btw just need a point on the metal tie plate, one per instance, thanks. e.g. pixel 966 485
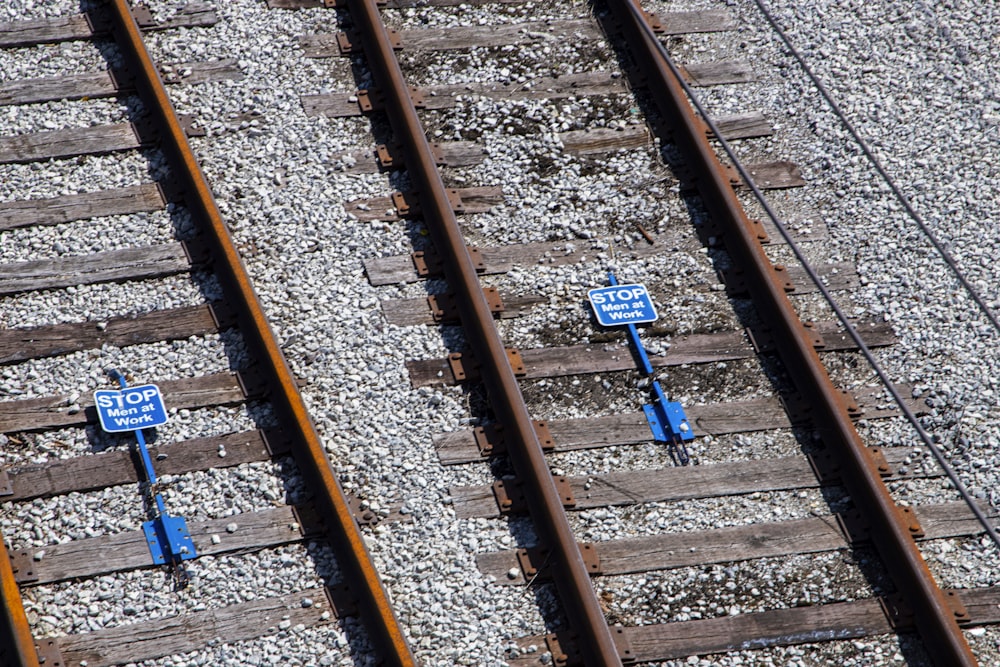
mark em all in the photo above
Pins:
pixel 48 652
pixel 428 263
pixel 490 440
pixel 534 561
pixel 444 308
pixel 24 567
pixel 465 368
pixel 510 497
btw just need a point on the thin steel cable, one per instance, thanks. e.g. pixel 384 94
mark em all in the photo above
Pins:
pixel 863 145
pixel 841 315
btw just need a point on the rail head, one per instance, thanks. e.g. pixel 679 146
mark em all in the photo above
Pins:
pixel 18 648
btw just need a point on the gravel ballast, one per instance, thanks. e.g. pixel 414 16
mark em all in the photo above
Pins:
pixel 917 83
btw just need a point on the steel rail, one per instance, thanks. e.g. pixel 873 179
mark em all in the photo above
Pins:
pixel 386 635
pixel 18 648
pixel 579 600
pixel 933 616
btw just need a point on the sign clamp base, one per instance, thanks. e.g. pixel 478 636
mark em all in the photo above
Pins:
pixel 169 539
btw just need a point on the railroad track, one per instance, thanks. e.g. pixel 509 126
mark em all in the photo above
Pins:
pixel 650 561
pixel 556 553
pixel 260 382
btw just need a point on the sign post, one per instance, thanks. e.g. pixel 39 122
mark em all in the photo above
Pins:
pixel 628 305
pixel 133 409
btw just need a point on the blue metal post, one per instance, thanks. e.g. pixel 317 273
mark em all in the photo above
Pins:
pixel 167 536
pixel 666 419
pixel 633 335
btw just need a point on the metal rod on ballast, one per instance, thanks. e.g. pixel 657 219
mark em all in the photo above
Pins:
pixel 633 334
pixel 147 462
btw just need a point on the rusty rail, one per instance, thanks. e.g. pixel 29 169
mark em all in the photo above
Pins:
pixel 892 532
pixel 569 569
pixel 17 646
pixel 387 637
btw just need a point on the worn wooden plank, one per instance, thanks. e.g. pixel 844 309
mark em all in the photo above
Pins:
pixel 630 429
pixel 684 23
pixel 445 96
pixel 486 36
pixel 780 627
pixel 399 269
pixel 584 359
pixel 409 312
pixel 739 543
pixel 474 200
pixel 599 140
pixel 834 276
pixel 513 34
pixel 101 267
pixel 776 175
pixel 983 604
pixel 39 31
pixel 696 548
pixel 116 467
pixel 37 342
pixel 96 85
pixel 78 26
pixel 777 627
pixel 33 414
pixel 342 105
pixel 717 73
pixel 416 311
pixel 69 142
pixel 694 349
pixel 744 125
pixel 452 153
pixel 678 483
pixel 67 208
pixel 193 630
pixel 94 556
pixel 192 15
pixel 743 632
pixel 223 69
pixel 72 87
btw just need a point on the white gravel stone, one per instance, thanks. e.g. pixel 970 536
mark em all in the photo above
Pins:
pixel 918 83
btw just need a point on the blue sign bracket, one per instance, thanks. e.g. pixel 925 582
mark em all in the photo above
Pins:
pixel 666 419
pixel 669 424
pixel 167 536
